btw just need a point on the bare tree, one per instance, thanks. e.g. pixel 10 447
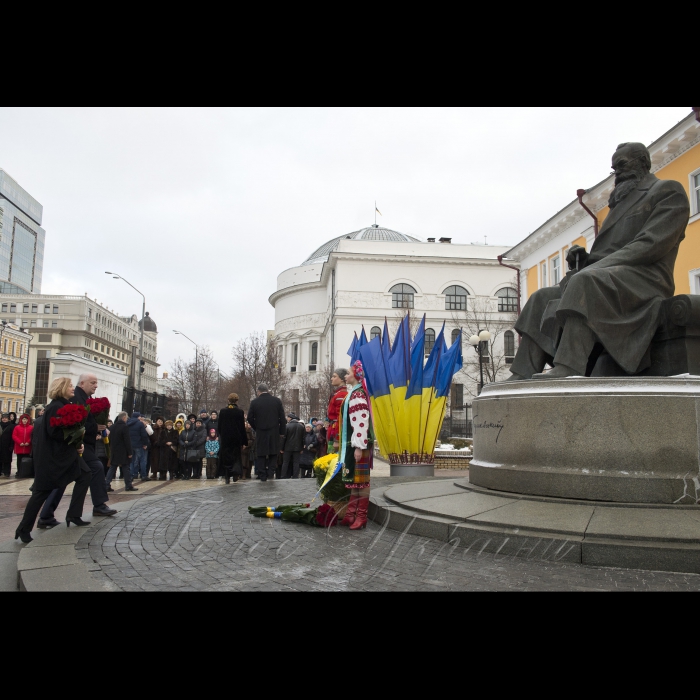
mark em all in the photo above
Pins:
pixel 196 384
pixel 482 314
pixel 255 362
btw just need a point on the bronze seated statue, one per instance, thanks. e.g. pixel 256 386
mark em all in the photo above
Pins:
pixel 614 313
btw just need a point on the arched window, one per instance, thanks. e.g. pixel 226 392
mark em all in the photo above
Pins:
pixel 314 353
pixel 455 334
pixel 509 345
pixel 456 298
pixel 429 340
pixel 375 332
pixel 507 299
pixel 402 296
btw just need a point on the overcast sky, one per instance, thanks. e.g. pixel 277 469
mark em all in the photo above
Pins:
pixel 201 209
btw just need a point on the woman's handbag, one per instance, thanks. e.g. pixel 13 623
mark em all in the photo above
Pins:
pixel 192 456
pixel 26 468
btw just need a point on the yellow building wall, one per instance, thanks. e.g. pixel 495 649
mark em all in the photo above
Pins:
pixel 532 280
pixel 689 252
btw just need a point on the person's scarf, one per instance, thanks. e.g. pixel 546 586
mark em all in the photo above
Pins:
pixel 341 423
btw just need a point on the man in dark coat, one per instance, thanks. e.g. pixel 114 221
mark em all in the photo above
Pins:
pixel 121 451
pixel 6 444
pixel 139 445
pixel 614 293
pixel 56 464
pixel 87 386
pixel 232 438
pixel 266 417
pixel 295 433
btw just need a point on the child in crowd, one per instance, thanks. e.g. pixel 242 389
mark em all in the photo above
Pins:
pixel 211 448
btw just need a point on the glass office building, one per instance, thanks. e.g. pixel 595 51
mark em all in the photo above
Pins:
pixel 21 239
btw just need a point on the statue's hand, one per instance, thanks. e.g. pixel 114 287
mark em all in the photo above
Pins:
pixel 575 251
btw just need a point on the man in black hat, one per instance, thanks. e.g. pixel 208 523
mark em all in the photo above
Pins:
pixel 293 447
pixel 266 417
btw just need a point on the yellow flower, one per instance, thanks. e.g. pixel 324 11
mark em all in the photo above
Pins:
pixel 323 463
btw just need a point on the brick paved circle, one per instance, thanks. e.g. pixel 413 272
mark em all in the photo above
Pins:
pixel 206 541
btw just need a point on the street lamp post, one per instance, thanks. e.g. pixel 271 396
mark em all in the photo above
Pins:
pixel 196 363
pixel 479 342
pixel 143 316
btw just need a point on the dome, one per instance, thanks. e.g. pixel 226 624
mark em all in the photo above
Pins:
pixel 149 324
pixel 371 233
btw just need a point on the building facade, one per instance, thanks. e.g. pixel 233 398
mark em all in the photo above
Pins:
pixel 82 327
pixel 21 239
pixel 362 278
pixel 14 350
pixel 674 156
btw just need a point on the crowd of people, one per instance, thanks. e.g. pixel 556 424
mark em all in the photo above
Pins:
pixel 221 445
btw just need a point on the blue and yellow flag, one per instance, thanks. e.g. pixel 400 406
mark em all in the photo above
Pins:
pixel 430 375
pixel 352 350
pixel 414 393
pixel 380 395
pixel 398 369
pixel 449 363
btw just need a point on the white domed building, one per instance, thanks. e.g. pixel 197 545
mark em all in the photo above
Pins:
pixel 363 277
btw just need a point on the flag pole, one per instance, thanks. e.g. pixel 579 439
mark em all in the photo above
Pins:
pixel 432 392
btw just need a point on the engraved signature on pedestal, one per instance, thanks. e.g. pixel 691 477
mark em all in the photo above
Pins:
pixel 490 425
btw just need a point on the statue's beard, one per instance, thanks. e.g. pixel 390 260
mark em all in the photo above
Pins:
pixel 624 184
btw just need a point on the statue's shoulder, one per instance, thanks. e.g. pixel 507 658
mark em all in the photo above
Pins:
pixel 666 186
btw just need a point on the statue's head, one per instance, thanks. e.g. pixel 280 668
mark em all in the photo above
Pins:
pixel 631 162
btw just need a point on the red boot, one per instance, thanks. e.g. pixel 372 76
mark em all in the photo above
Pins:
pixel 349 518
pixel 361 513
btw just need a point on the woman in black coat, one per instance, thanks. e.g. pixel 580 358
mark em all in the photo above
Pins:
pixel 232 437
pixel 187 442
pixel 169 439
pixel 56 464
pixel 308 453
pixel 200 433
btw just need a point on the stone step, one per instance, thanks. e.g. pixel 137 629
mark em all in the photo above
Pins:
pixel 658 537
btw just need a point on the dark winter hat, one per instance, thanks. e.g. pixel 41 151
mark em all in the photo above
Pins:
pixel 202 410
pixel 191 417
pixel 136 414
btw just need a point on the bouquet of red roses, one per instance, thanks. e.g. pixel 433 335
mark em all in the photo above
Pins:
pixel 71 418
pixel 100 409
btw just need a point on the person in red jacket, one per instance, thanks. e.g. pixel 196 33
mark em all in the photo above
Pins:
pixel 22 437
pixel 341 391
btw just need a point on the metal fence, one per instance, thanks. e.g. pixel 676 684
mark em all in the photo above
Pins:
pixel 456 427
pixel 145 403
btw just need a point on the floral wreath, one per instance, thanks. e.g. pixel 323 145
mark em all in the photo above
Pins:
pixel 358 370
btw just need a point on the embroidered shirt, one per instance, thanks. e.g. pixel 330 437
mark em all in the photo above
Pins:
pixel 358 414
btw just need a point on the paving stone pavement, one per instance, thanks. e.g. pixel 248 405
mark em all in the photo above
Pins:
pixel 207 541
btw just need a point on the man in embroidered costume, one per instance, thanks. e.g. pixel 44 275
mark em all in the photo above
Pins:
pixel 341 391
pixel 356 447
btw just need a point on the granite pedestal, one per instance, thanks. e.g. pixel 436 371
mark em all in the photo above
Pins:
pixel 616 439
